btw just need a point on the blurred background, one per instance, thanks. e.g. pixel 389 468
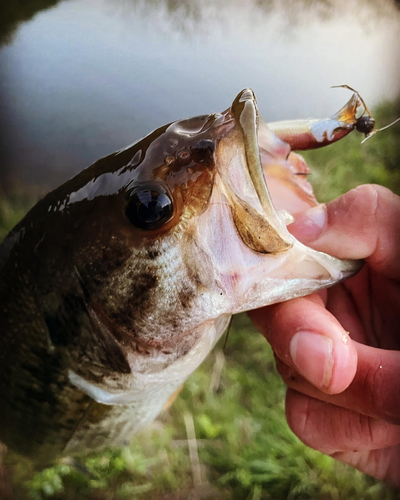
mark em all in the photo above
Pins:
pixel 83 78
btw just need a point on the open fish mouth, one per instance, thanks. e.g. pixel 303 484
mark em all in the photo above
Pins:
pixel 258 179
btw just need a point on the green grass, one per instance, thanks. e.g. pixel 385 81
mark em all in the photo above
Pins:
pixel 236 400
pixel 246 450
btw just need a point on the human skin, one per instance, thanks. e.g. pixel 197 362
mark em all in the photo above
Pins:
pixel 339 350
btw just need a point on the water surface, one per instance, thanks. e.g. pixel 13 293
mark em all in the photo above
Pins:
pixel 86 77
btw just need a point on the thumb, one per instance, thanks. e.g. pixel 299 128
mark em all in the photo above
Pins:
pixel 362 224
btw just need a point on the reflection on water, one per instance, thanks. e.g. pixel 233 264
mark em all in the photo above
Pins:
pixel 90 76
pixel 14 12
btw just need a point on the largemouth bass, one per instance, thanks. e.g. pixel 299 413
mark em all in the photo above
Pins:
pixel 117 284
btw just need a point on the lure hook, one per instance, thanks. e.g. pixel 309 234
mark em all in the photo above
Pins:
pixel 365 123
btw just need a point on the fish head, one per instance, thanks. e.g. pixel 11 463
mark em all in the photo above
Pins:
pixel 159 240
pixel 201 211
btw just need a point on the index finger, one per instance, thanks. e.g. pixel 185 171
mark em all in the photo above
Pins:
pixel 362 224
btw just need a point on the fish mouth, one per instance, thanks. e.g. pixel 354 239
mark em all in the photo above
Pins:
pixel 264 194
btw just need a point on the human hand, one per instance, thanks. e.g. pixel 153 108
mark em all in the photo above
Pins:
pixel 344 390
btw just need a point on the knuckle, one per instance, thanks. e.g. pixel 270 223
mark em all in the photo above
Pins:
pixel 297 412
pixel 311 421
pixel 366 197
pixel 375 433
pixel 380 434
pixel 378 395
pixel 374 200
pixel 373 192
pixel 368 200
pixel 372 383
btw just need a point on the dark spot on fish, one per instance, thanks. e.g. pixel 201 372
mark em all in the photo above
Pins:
pixel 153 253
pixel 194 277
pixel 138 347
pixel 173 322
pixel 192 271
pixel 110 356
pixel 186 296
pixel 63 326
pixel 203 151
pixel 142 289
pixel 105 261
pixel 138 300
pixel 46 372
pixel 76 326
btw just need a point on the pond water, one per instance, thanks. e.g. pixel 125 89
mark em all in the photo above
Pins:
pixel 83 78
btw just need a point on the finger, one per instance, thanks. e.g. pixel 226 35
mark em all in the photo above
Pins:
pixel 375 301
pixel 383 464
pixel 368 215
pixel 308 338
pixel 331 429
pixel 374 391
pixel 343 306
pixel 364 443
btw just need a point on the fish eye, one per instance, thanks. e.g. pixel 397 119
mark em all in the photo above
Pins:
pixel 149 206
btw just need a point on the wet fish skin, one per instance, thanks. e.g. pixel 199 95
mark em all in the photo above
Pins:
pixel 102 321
pixel 68 261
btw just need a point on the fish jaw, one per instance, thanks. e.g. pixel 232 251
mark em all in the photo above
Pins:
pixel 255 259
